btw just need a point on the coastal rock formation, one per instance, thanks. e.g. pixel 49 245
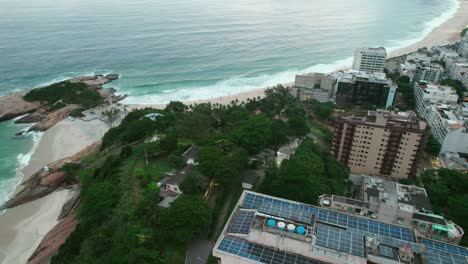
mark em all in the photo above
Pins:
pixel 13 105
pixel 53 118
pixel 52 241
pixel 45 181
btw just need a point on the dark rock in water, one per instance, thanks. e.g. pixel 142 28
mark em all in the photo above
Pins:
pixel 21 133
pixel 112 76
pixel 31 118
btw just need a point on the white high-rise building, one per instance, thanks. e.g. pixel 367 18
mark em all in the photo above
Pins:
pixel 370 59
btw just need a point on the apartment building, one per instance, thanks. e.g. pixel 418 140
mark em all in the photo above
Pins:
pixel 263 229
pixel 437 104
pixel 362 88
pixel 369 59
pixel 392 202
pixel 429 72
pixel 383 143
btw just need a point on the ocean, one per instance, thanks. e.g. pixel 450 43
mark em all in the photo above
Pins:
pixel 191 49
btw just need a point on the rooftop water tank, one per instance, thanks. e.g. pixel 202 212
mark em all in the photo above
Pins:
pixel 281 225
pixel 291 228
pixel 271 223
pixel 300 230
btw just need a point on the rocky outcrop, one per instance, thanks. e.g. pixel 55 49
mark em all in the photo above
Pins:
pixel 13 105
pixel 52 241
pixel 53 118
pixel 55 238
pixel 45 181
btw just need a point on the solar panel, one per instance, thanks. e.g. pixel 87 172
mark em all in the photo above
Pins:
pixel 442 257
pixel 445 247
pixel 255 201
pixel 396 243
pixel 242 222
pixel 341 240
pixel 386 251
pixel 260 253
pixel 288 211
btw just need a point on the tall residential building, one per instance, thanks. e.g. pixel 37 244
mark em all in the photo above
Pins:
pixel 429 72
pixel 264 229
pixel 361 88
pixel 463 47
pixel 369 59
pixel 393 202
pixel 383 143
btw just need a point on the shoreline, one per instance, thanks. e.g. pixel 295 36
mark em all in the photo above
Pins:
pixel 446 33
pixel 72 135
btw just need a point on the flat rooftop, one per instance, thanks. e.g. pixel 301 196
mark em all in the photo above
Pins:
pixel 267 229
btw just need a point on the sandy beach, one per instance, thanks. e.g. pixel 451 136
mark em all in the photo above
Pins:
pixel 63 140
pixel 23 227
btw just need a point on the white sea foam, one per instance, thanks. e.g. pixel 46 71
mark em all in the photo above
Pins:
pixel 8 186
pixel 233 85
pixel 240 84
pixel 430 25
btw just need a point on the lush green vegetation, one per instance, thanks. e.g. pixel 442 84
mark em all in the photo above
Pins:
pixel 311 169
pixel 457 85
pixel 463 32
pixel 322 111
pixel 447 191
pixel 405 92
pixel 432 146
pixel 119 217
pixel 58 94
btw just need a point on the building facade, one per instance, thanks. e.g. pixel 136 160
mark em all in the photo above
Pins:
pixel 369 59
pixel 428 72
pixel 361 88
pixel 309 87
pixel 438 106
pixel 382 143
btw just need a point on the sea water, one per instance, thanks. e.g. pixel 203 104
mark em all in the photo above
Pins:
pixel 192 49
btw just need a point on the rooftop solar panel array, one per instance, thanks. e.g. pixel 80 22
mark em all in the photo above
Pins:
pixel 386 251
pixel 286 211
pixel 442 257
pixel 255 201
pixel 340 239
pixel 260 253
pixel 392 242
pixel 444 247
pixel 242 222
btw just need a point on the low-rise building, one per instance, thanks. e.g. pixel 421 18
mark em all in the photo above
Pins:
pixel 459 71
pixel 309 87
pixel 267 229
pixel 392 202
pixel 429 72
pixel 384 143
